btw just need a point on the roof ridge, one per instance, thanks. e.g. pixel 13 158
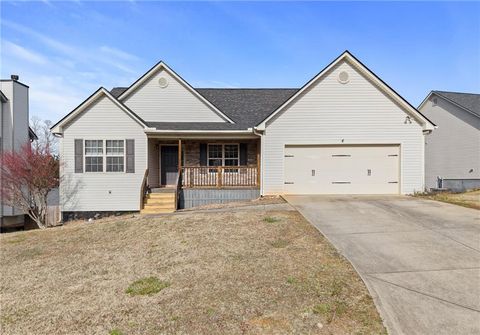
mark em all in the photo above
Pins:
pixel 437 91
pixel 247 88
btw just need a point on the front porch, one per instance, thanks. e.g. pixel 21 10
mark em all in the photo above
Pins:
pixel 204 171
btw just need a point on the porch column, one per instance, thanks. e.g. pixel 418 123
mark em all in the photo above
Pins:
pixel 179 154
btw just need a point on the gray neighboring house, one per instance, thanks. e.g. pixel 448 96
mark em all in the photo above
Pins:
pixel 452 152
pixel 14 132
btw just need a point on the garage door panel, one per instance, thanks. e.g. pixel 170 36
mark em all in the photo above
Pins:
pixel 342 169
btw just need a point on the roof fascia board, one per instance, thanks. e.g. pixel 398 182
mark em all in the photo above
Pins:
pixel 58 127
pixel 427 124
pixel 161 65
pixel 156 131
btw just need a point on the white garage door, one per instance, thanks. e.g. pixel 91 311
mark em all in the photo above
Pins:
pixel 342 169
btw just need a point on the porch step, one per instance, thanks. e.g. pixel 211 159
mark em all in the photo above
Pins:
pixel 160 201
pixel 162 190
pixel 157 203
pixel 160 205
pixel 160 196
pixel 156 211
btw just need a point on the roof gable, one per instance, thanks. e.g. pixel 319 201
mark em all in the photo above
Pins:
pixel 145 81
pixel 380 84
pixel 467 101
pixel 58 127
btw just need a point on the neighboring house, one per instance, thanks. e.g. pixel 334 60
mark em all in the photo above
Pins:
pixel 14 132
pixel 343 132
pixel 452 152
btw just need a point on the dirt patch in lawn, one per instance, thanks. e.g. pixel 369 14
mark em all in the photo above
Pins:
pixel 467 199
pixel 231 272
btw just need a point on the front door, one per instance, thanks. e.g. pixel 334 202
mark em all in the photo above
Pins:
pixel 169 164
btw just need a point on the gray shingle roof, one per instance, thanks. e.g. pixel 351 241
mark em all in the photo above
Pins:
pixel 116 91
pixel 470 101
pixel 247 107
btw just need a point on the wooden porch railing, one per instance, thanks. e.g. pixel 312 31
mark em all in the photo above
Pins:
pixel 219 176
pixel 178 187
pixel 143 189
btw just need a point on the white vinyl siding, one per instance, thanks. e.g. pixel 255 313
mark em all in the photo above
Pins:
pixel 174 103
pixel 452 151
pixel 329 112
pixel 102 191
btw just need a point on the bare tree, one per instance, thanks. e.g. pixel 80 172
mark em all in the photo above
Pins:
pixel 46 140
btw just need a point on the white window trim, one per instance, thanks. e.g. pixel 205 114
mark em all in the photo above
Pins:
pixel 223 154
pixel 104 155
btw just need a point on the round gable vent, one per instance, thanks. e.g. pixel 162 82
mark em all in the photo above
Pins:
pixel 163 82
pixel 343 77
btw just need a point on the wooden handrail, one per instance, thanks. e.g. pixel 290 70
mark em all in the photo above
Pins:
pixel 178 187
pixel 143 188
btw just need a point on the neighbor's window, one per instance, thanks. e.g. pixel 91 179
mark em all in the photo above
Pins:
pixel 223 155
pixel 93 155
pixel 115 155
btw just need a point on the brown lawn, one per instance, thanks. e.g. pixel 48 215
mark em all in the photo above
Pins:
pixel 469 199
pixel 235 272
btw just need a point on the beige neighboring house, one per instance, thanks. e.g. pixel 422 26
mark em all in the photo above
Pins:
pixel 452 152
pixel 14 132
pixel 344 132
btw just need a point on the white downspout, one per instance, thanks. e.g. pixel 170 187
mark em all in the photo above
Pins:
pixel 262 161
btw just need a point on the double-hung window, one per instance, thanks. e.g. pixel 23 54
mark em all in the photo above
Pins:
pixel 93 155
pixel 223 155
pixel 110 159
pixel 115 155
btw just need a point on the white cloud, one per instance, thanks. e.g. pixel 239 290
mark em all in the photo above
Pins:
pixel 62 75
pixel 74 53
pixel 19 51
pixel 117 53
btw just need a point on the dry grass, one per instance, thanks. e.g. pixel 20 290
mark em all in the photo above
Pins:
pixel 227 273
pixel 467 199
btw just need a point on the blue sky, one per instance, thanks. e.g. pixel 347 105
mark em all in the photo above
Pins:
pixel 65 50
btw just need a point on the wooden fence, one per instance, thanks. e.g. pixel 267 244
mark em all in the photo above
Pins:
pixel 53 216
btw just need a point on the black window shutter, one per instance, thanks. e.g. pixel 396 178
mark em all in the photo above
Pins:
pixel 243 154
pixel 203 154
pixel 130 156
pixel 78 156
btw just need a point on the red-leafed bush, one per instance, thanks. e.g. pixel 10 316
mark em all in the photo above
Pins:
pixel 27 175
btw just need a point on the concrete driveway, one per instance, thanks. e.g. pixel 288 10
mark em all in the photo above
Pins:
pixel 420 259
